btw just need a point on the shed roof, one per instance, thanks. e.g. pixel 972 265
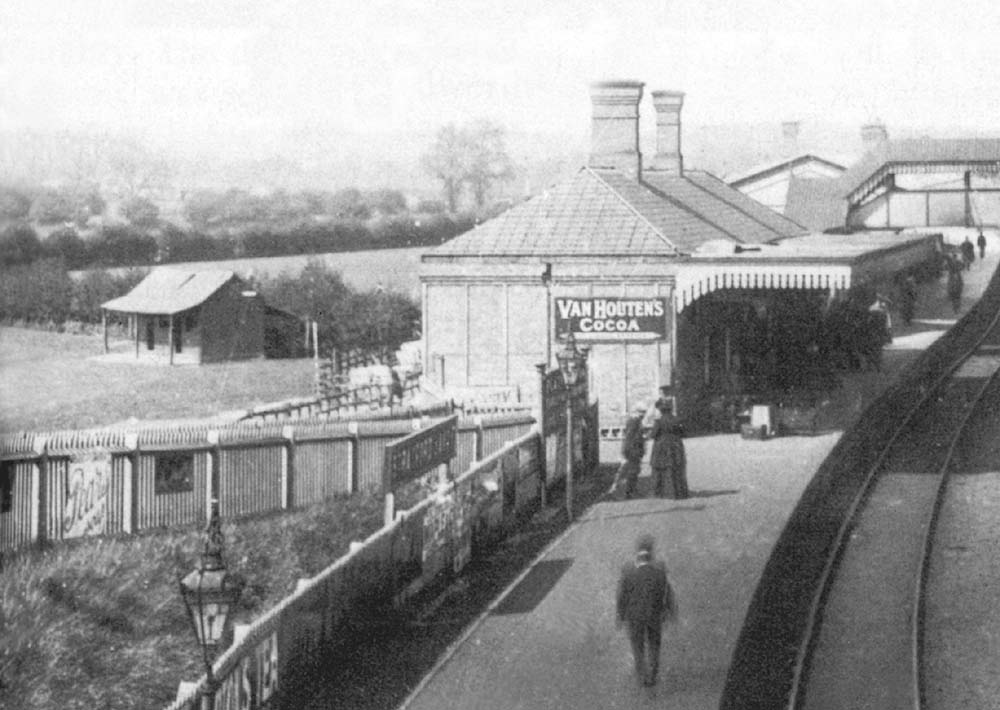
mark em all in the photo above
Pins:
pixel 168 291
pixel 604 213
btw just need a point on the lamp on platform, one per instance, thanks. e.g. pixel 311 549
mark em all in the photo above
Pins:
pixel 210 594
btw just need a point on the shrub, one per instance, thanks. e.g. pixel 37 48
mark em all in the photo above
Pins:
pixel 39 292
pixel 19 245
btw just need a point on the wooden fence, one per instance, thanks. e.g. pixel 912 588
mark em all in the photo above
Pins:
pixel 273 660
pixel 71 484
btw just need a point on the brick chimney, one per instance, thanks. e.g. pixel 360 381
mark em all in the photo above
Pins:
pixel 668 156
pixel 790 139
pixel 872 135
pixel 614 131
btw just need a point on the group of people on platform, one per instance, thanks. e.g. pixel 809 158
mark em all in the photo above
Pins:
pixel 667 458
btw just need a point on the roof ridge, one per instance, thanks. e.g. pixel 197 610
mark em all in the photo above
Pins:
pixel 631 207
pixel 736 207
pixel 687 208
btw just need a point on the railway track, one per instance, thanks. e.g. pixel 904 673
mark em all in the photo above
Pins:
pixel 857 607
pixel 864 645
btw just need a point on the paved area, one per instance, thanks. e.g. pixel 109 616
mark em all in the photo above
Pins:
pixel 551 641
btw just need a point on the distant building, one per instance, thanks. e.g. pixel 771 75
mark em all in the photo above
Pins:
pixel 768 182
pixel 897 184
pixel 178 317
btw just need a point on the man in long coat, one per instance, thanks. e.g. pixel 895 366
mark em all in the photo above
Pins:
pixel 667 458
pixel 633 449
pixel 645 603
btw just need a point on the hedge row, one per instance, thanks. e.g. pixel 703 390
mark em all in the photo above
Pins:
pixel 116 246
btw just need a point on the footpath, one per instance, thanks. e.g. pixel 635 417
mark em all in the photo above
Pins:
pixel 549 640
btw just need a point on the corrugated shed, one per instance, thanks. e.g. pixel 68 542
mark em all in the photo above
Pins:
pixel 167 291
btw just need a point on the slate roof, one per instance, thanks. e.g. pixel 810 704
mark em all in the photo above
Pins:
pixel 816 203
pixel 604 213
pixel 168 291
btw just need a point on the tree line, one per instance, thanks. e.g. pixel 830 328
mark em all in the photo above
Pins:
pixel 127 245
pixel 43 293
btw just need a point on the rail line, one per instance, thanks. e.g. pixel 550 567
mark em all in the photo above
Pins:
pixel 850 631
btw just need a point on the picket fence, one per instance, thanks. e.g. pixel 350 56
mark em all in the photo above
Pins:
pixel 272 661
pixel 70 484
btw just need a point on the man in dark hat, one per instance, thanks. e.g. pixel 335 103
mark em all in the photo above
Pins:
pixel 633 449
pixel 645 602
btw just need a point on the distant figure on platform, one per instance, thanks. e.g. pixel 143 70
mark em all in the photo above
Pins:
pixel 633 449
pixel 667 457
pixel 955 286
pixel 645 602
pixel 880 309
pixel 968 253
pixel 981 242
pixel 908 298
pixel 396 388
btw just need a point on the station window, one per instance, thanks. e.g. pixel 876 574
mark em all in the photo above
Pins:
pixel 7 475
pixel 174 472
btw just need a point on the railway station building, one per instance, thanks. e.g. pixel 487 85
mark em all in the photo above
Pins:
pixel 669 276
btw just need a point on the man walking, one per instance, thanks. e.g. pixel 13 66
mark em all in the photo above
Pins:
pixel 981 242
pixel 633 449
pixel 645 603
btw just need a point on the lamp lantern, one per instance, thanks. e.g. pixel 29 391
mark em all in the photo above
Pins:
pixel 211 592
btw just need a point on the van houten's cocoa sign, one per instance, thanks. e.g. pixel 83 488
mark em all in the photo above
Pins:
pixel 618 319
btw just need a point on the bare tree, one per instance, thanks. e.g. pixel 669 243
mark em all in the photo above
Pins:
pixel 446 160
pixel 487 162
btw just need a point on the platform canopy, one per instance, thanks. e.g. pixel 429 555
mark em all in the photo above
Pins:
pixel 821 261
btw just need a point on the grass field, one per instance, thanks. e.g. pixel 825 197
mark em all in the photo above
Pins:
pixel 61 381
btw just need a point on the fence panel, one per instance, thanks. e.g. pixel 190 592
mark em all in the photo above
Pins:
pixel 179 496
pixel 249 480
pixel 465 447
pixel 496 433
pixel 322 469
pixel 15 511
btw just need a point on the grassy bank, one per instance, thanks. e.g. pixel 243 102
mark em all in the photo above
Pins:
pixel 54 380
pixel 101 624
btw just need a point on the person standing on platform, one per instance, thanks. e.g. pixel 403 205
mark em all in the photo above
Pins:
pixel 667 458
pixel 645 602
pixel 633 449
pixel 955 286
pixel 908 298
pixel 968 253
pixel 981 242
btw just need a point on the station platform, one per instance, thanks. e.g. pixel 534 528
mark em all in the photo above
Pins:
pixel 550 639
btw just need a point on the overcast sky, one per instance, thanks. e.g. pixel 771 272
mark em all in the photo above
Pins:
pixel 186 69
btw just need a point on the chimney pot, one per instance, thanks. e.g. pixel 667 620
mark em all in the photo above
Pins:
pixel 872 135
pixel 615 126
pixel 668 156
pixel 790 138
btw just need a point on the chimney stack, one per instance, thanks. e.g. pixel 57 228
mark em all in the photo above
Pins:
pixel 872 135
pixel 790 139
pixel 614 129
pixel 668 156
